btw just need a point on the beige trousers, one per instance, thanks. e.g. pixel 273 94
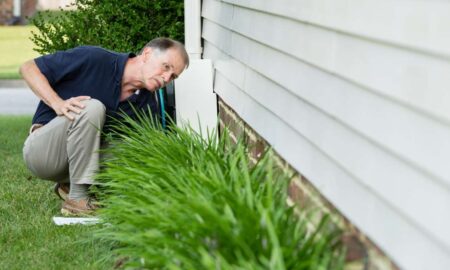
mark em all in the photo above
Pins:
pixel 67 151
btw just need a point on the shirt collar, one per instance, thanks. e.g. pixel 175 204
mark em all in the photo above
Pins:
pixel 120 65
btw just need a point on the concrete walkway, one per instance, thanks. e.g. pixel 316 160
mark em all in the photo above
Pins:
pixel 16 99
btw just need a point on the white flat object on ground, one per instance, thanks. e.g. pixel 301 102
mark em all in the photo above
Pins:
pixel 75 220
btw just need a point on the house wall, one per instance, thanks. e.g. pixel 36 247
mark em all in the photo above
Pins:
pixel 28 8
pixel 6 10
pixel 353 95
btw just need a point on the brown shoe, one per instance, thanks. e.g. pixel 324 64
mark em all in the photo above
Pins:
pixel 82 207
pixel 62 190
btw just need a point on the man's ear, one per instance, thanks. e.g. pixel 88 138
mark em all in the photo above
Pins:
pixel 147 53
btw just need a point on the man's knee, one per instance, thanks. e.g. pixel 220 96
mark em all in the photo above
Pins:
pixel 94 109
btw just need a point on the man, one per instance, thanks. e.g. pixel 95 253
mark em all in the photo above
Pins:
pixel 79 88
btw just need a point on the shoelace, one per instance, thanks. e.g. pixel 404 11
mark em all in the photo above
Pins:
pixel 91 204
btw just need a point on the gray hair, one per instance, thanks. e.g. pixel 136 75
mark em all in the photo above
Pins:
pixel 162 44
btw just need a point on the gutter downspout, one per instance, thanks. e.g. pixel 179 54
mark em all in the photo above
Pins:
pixel 192 28
pixel 196 102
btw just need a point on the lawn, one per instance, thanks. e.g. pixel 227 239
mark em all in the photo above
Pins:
pixel 15 48
pixel 28 238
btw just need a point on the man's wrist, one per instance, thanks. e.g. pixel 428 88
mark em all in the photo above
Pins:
pixel 53 103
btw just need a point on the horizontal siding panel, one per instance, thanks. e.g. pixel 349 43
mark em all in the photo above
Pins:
pixel 220 12
pixel 221 35
pixel 413 79
pixel 390 230
pixel 418 140
pixel 415 24
pixel 211 52
pixel 233 69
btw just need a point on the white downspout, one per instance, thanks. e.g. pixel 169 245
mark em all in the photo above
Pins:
pixel 192 28
pixel 195 100
pixel 16 8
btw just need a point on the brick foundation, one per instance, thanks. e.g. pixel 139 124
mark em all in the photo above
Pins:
pixel 362 253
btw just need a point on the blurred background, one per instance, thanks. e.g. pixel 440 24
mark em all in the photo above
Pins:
pixel 15 31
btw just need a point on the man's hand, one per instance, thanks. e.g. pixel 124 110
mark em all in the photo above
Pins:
pixel 64 107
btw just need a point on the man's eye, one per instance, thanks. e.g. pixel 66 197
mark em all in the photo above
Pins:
pixel 166 67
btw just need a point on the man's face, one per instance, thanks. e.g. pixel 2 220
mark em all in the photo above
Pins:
pixel 160 68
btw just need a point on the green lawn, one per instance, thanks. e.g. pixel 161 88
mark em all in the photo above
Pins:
pixel 15 48
pixel 28 238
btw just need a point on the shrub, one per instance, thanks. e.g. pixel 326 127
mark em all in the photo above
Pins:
pixel 176 201
pixel 114 24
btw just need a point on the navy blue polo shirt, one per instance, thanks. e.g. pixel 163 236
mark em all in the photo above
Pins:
pixel 90 71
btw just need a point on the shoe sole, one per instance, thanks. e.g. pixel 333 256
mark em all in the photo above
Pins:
pixel 69 213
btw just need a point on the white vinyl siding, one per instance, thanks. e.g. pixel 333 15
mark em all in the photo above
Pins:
pixel 355 100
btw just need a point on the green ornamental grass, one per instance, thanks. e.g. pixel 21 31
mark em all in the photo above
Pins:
pixel 173 200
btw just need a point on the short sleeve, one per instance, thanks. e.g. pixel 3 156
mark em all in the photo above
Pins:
pixel 62 65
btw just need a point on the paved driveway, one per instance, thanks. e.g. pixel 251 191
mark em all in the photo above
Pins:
pixel 17 101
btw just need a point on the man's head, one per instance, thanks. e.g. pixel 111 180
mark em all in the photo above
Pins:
pixel 163 60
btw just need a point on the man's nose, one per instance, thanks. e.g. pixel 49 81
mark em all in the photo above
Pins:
pixel 167 76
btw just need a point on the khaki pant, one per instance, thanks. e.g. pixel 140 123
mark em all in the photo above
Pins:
pixel 67 151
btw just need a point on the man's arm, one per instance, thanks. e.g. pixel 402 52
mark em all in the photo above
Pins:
pixel 42 88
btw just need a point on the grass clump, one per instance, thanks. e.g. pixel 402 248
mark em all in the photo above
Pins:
pixel 176 201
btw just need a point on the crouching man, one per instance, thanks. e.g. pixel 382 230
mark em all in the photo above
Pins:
pixel 79 88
